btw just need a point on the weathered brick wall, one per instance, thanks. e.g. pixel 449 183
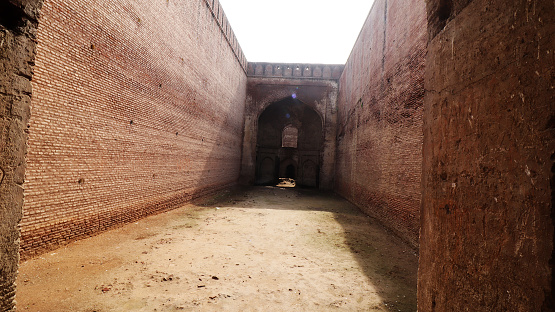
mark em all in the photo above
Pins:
pixel 380 101
pixel 489 142
pixel 138 107
pixel 18 23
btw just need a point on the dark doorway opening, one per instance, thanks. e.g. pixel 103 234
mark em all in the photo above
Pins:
pixel 290 172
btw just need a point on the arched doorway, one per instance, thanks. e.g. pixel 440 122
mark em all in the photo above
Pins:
pixel 290 134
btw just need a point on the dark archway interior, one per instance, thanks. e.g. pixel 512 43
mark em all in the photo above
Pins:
pixel 290 172
pixel 275 159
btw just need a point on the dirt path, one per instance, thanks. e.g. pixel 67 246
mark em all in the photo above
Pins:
pixel 263 249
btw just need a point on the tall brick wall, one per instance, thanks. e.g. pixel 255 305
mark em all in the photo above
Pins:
pixel 379 139
pixel 489 141
pixel 18 24
pixel 138 107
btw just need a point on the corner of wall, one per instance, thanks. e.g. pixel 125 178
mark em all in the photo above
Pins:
pixel 18 22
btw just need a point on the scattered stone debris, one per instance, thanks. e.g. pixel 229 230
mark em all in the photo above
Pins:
pixel 219 296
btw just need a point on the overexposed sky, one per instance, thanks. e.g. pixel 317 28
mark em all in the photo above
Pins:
pixel 297 31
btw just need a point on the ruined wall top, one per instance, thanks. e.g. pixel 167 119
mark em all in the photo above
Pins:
pixel 220 18
pixel 295 70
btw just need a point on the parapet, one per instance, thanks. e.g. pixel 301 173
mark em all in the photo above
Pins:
pixel 295 70
pixel 220 18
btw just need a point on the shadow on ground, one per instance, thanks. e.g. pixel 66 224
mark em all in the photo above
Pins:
pixel 387 261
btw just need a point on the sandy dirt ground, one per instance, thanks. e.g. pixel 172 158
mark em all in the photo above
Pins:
pixel 255 249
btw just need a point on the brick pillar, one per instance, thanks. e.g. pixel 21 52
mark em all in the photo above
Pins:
pixel 486 235
pixel 18 25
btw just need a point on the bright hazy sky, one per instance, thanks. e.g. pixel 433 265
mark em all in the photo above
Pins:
pixel 297 31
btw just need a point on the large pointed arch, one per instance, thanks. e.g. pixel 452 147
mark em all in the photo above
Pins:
pixel 288 112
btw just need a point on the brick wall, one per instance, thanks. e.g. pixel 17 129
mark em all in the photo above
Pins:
pixel 18 23
pixel 138 107
pixel 379 140
pixel 489 143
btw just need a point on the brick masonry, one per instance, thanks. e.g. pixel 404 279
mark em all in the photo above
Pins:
pixel 140 106
pixel 489 142
pixel 379 138
pixel 137 108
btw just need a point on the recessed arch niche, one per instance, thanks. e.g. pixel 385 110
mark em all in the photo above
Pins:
pixel 281 120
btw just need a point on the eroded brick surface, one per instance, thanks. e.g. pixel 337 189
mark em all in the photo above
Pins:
pixel 379 135
pixel 17 53
pixel 137 108
pixel 487 219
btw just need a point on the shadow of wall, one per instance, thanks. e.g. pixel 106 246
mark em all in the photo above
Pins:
pixel 388 261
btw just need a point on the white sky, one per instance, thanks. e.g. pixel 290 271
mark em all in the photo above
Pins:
pixel 297 31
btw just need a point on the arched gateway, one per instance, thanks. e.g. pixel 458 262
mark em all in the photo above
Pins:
pixel 279 148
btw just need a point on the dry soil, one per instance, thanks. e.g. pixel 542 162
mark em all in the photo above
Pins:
pixel 257 249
